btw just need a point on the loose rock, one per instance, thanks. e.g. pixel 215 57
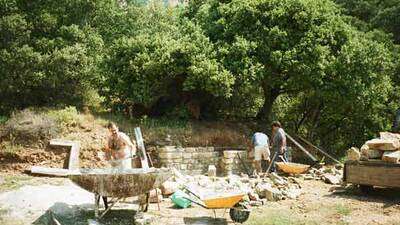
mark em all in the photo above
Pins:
pixel 169 187
pixel 353 154
pixel 331 179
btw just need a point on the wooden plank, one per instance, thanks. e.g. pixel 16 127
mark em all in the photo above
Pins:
pixel 301 148
pixel 372 174
pixel 61 142
pixel 140 144
pixel 374 163
pixel 49 171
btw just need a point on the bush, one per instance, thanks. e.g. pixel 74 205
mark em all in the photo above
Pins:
pixel 3 119
pixel 28 127
pixel 68 117
pixel 7 148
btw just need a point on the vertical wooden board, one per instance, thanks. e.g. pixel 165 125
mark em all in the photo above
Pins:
pixel 74 156
pixel 140 144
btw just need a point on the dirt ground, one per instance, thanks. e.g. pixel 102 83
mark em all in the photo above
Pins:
pixel 27 200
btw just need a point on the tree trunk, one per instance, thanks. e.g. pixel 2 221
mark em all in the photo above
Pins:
pixel 270 95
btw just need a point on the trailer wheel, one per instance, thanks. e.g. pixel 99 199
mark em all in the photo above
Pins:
pixel 239 214
pixel 366 189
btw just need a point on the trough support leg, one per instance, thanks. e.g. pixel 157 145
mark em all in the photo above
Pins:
pixel 147 202
pixel 96 205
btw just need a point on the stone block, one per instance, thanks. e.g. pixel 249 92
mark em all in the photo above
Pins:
pixel 208 154
pixel 230 154
pixel 169 187
pixel 227 160
pixel 167 149
pixel 170 155
pixel 183 166
pixel 179 160
pixel 212 171
pixel 331 179
pixel 384 144
pixel 391 156
pixel 388 135
pixel 187 155
pixel 367 153
pixel 353 154
pixel 190 150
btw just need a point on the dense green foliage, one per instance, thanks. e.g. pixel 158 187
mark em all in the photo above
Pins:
pixel 327 72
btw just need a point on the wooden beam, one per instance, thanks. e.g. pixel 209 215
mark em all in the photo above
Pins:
pixel 320 150
pixel 49 171
pixel 301 147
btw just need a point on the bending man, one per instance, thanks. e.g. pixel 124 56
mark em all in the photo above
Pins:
pixel 260 144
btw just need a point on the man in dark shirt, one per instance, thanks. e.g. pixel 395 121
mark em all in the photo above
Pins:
pixel 278 143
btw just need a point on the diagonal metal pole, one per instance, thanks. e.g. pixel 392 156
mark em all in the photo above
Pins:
pixel 318 149
pixel 301 148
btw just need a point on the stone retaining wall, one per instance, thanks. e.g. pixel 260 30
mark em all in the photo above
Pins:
pixel 195 160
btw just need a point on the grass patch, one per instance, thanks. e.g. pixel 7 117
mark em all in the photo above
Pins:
pixel 67 117
pixel 342 210
pixel 277 217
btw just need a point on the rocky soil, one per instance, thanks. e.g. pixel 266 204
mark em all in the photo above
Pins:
pixel 318 203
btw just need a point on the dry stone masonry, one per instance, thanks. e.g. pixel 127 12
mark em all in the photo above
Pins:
pixel 191 160
pixel 197 160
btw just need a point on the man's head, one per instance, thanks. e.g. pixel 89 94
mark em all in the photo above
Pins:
pixel 276 125
pixel 112 128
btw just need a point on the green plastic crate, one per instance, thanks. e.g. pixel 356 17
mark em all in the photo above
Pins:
pixel 178 198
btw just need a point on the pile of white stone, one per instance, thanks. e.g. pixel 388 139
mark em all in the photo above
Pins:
pixel 330 175
pixel 257 191
pixel 385 148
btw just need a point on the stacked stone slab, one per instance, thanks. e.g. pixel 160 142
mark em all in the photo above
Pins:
pixel 386 148
pixel 231 164
pixel 192 160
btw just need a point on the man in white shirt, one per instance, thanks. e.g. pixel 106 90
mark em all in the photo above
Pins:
pixel 260 146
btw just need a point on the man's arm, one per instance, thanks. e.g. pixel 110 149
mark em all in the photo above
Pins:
pixel 107 150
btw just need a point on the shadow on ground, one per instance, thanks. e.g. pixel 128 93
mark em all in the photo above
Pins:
pixel 79 215
pixel 388 196
pixel 204 220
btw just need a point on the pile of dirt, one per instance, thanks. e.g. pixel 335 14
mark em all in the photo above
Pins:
pixel 90 134
pixel 27 157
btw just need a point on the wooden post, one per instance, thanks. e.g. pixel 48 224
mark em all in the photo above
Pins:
pixel 140 144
